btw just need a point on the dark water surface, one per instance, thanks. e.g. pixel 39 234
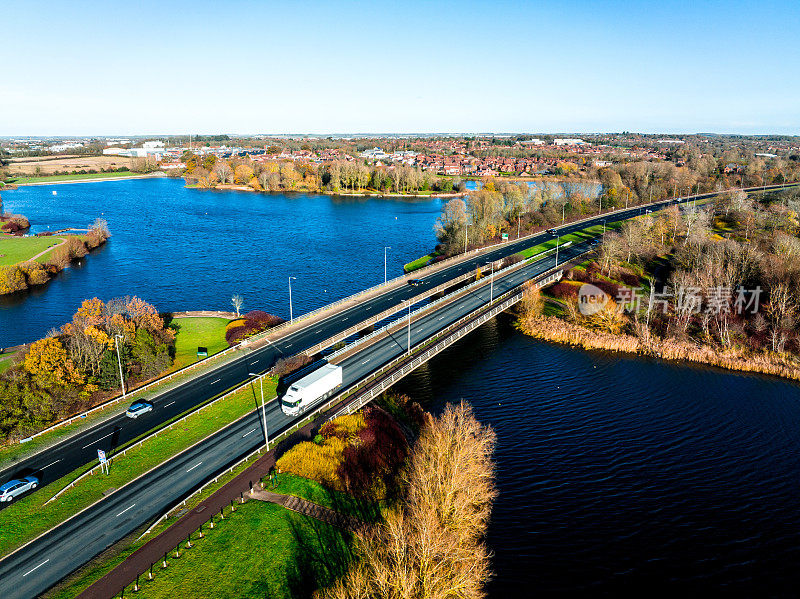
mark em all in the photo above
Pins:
pixel 188 249
pixel 622 476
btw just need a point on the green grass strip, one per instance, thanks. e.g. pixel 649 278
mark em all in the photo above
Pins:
pixel 29 517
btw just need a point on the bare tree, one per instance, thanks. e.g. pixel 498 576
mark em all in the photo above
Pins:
pixel 237 301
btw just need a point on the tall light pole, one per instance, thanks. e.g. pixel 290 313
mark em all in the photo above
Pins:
pixel 604 228
pixel 466 236
pixel 384 263
pixel 263 407
pixel 119 361
pixel 291 315
pixel 627 193
pixel 517 226
pixel 563 206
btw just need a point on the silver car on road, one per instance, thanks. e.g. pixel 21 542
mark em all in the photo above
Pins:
pixel 16 487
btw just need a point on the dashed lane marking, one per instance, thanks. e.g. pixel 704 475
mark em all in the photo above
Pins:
pixel 39 566
pixel 125 510
pixel 100 439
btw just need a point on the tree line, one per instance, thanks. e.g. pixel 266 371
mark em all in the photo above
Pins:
pixel 339 176
pixel 73 367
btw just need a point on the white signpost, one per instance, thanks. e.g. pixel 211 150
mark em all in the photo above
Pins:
pixel 101 455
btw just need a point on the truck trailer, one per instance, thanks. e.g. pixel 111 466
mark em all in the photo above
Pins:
pixel 311 389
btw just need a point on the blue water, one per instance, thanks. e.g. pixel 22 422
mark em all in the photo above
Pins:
pixel 621 476
pixel 186 249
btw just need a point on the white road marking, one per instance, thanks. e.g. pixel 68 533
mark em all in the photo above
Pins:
pixel 125 510
pixel 441 318
pixel 256 362
pixel 193 467
pixel 39 566
pixel 169 404
pixel 318 331
pixel 243 436
pixel 367 360
pixel 51 463
pixel 100 439
pixel 288 345
pixel 218 380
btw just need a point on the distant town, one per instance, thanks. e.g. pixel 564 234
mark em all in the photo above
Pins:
pixel 485 155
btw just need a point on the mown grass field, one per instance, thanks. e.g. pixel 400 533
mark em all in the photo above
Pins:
pixel 78 177
pixel 14 250
pixel 192 333
pixel 275 543
pixel 29 516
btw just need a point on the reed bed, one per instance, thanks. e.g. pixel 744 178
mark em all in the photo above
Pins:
pixel 552 328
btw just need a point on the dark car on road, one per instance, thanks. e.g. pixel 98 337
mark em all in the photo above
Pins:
pixel 415 282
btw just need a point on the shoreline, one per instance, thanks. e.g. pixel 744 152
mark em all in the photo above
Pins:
pixel 365 194
pixel 557 330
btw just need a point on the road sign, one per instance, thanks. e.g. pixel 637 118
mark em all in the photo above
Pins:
pixel 505 236
pixel 101 455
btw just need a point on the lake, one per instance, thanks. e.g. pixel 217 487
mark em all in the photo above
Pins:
pixel 190 249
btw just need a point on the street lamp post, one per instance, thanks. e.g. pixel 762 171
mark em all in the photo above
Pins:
pixel 466 236
pixel 119 361
pixel 384 263
pixel 517 226
pixel 563 206
pixel 263 407
pixel 291 315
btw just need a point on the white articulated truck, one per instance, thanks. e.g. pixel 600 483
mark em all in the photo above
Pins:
pixel 311 389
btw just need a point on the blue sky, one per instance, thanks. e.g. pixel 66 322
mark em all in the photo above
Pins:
pixel 320 67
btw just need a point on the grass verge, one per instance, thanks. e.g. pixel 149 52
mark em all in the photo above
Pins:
pixel 419 262
pixel 29 517
pixel 235 526
pixel 77 177
pixel 194 332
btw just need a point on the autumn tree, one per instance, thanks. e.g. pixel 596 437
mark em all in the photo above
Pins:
pixel 432 546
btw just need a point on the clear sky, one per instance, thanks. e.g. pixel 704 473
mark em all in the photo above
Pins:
pixel 141 67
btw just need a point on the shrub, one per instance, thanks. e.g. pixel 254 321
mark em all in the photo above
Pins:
pixel 369 466
pixel 285 366
pixel 629 278
pixel 76 248
pixel 345 427
pixel 316 462
pixel 611 289
pixel 59 258
pixel 263 319
pixel 12 279
pixel 35 273
pixel 235 334
pixel 564 290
